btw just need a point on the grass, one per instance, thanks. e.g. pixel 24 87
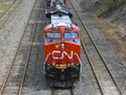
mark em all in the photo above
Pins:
pixel 4 7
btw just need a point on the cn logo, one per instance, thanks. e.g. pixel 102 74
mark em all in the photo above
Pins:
pixel 56 54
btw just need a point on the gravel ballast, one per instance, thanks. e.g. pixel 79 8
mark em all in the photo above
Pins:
pixel 11 34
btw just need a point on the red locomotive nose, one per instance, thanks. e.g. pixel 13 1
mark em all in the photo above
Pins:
pixel 62 47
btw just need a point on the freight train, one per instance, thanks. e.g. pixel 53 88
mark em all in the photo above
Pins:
pixel 61 44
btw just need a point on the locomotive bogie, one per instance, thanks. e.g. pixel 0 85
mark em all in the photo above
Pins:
pixel 68 74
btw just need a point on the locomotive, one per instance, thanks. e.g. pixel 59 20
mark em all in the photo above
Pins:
pixel 61 43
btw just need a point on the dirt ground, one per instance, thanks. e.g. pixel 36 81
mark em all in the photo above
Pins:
pixel 113 26
pixel 116 35
pixel 114 29
pixel 109 34
pixel 11 34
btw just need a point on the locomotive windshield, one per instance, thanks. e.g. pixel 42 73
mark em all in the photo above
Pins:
pixel 70 35
pixel 53 36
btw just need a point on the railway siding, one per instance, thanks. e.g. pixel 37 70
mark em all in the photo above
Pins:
pixel 11 35
pixel 35 82
pixel 8 12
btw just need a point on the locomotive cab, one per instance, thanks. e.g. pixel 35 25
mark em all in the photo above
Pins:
pixel 62 51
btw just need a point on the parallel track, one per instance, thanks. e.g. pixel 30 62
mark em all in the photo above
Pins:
pixel 8 9
pixel 102 63
pixel 13 64
pixel 27 62
pixel 4 16
pixel 2 88
pixel 30 50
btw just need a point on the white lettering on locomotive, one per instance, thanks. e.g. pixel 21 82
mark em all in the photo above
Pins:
pixel 57 54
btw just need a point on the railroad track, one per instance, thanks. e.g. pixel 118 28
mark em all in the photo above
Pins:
pixel 27 62
pixel 11 85
pixel 65 91
pixel 14 1
pixel 13 70
pixel 34 52
pixel 96 61
pixel 91 50
pixel 6 14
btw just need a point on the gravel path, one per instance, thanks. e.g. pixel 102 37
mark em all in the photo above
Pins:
pixel 11 34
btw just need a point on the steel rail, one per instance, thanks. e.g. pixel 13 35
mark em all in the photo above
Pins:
pixel 11 67
pixel 27 62
pixel 8 9
pixel 88 59
pixel 71 91
pixel 30 48
pixel 90 63
pixel 53 91
pixel 98 51
pixel 7 12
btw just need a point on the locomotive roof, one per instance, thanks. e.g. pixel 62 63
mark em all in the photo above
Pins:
pixel 57 20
